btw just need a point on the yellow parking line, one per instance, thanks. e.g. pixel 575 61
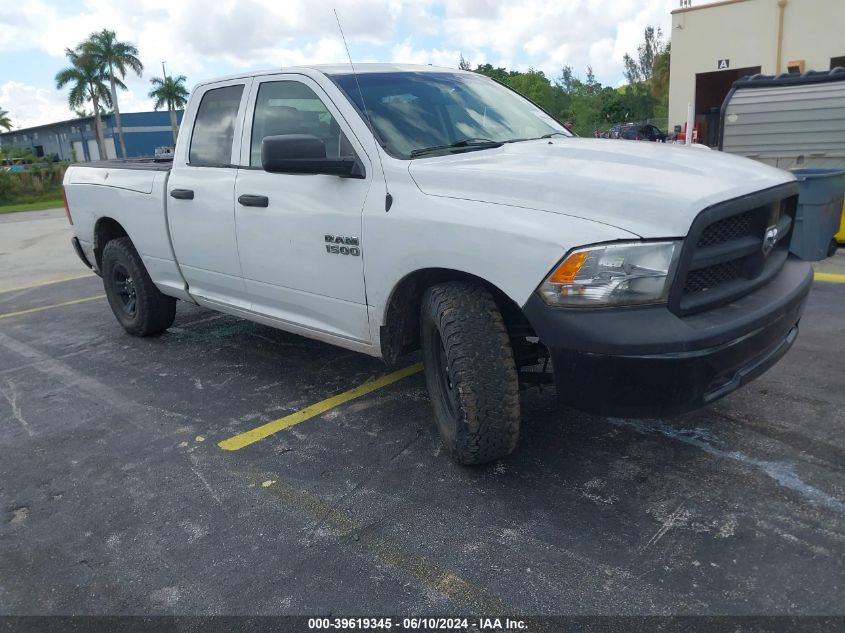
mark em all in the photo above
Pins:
pixel 46 283
pixel 832 277
pixel 9 315
pixel 265 430
pixel 390 554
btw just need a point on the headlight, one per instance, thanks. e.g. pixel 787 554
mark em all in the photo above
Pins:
pixel 612 274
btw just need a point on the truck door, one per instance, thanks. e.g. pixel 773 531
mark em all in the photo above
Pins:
pixel 290 269
pixel 201 188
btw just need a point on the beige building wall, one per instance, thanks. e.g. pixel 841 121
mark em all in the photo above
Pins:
pixel 746 33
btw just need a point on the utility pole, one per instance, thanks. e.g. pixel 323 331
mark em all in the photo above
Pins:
pixel 163 71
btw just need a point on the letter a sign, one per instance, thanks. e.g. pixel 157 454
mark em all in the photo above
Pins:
pixel 723 64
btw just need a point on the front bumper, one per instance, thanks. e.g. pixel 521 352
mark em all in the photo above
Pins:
pixel 647 362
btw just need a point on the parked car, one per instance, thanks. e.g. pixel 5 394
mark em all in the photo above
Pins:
pixel 384 213
pixel 13 165
pixel 642 132
pixel 613 131
pixel 163 153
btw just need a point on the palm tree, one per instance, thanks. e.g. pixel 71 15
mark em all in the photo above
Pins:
pixel 171 92
pixel 5 121
pixel 114 57
pixel 87 81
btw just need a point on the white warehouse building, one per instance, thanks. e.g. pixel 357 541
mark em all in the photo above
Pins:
pixel 714 44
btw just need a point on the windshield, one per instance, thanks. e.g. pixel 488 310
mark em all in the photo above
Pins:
pixel 415 111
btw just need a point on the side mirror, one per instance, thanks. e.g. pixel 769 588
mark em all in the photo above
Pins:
pixel 304 154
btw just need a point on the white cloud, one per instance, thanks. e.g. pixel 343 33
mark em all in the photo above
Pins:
pixel 194 31
pixel 406 53
pixel 601 56
pixel 536 44
pixel 28 105
pixel 20 24
pixel 556 33
pixel 202 39
pixel 131 101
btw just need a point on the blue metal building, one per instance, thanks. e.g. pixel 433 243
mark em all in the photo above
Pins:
pixel 74 139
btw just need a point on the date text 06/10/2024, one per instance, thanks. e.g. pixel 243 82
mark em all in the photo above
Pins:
pixel 417 624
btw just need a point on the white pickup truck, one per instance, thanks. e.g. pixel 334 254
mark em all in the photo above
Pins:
pixel 406 207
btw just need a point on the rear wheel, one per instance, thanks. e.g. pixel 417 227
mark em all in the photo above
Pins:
pixel 137 304
pixel 470 372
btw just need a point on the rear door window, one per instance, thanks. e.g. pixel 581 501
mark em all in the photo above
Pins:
pixel 214 127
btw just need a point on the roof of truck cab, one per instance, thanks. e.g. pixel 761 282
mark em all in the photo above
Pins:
pixel 346 69
pixel 336 69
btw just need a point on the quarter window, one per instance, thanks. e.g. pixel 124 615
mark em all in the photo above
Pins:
pixel 214 127
pixel 290 107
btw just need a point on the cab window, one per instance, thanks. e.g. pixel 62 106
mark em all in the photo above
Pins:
pixel 214 127
pixel 290 107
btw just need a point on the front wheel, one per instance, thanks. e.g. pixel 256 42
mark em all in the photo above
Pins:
pixel 470 372
pixel 137 304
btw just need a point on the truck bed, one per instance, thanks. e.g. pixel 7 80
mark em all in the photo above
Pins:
pixel 132 193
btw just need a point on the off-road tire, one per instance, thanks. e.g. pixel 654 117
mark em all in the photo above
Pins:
pixel 137 304
pixel 470 372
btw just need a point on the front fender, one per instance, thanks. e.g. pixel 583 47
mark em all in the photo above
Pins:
pixel 511 248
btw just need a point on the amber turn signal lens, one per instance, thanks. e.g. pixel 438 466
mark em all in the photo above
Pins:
pixel 568 269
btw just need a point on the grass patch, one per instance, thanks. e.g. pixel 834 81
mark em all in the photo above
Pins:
pixel 50 199
pixel 39 205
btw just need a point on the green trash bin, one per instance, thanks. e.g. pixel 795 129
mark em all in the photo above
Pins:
pixel 820 194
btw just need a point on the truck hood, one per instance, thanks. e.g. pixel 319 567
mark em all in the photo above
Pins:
pixel 648 189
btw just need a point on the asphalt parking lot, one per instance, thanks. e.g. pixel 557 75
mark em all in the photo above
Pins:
pixel 117 499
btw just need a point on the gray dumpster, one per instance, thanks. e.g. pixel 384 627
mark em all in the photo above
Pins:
pixel 820 194
pixel 788 121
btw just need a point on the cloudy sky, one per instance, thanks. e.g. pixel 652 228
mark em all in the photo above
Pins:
pixel 205 38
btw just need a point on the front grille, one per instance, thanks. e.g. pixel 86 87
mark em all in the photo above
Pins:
pixel 705 279
pixel 727 229
pixel 723 257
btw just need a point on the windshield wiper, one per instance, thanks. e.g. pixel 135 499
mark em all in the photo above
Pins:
pixel 536 138
pixel 473 143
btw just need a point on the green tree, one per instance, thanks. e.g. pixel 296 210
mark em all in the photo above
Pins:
pixel 579 101
pixel 87 83
pixel 114 58
pixel 588 104
pixel 499 74
pixel 591 85
pixel 5 121
pixel 660 73
pixel 463 64
pixel 639 71
pixel 567 82
pixel 534 85
pixel 170 92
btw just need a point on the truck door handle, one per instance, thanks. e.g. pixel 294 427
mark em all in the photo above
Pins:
pixel 182 194
pixel 254 201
